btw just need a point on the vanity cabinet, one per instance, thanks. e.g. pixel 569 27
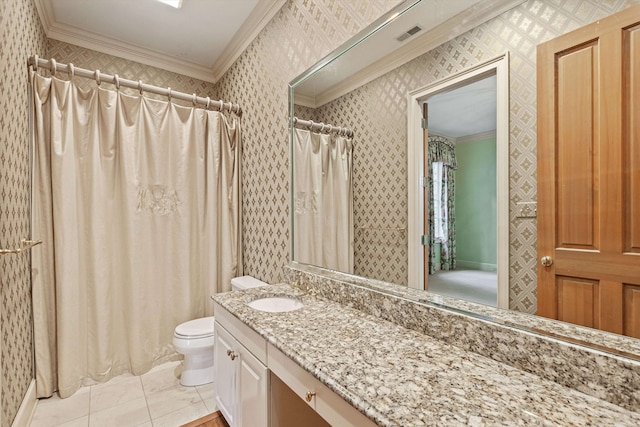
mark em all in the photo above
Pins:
pixel 241 378
pixel 244 364
pixel 331 407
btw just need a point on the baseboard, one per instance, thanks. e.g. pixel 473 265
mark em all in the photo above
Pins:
pixel 27 407
pixel 472 265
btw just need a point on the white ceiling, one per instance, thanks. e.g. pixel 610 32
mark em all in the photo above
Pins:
pixel 201 39
pixel 464 111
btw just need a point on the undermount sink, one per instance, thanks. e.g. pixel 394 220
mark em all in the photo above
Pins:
pixel 276 304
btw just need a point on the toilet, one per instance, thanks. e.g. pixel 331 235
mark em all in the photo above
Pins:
pixel 195 340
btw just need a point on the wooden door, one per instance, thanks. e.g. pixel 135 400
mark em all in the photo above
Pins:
pixel 589 175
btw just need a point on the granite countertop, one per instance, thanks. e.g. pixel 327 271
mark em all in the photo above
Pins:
pixel 400 377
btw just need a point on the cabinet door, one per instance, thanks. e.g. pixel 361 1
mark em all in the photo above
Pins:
pixel 253 388
pixel 225 374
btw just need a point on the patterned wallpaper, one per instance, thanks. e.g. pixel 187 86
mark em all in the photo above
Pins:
pixel 382 253
pixel 300 34
pixel 92 60
pixel 20 35
pixel 379 174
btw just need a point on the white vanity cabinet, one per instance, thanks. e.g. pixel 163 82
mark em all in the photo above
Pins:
pixel 244 393
pixel 241 378
pixel 331 407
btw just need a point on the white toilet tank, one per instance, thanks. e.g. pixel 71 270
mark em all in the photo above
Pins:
pixel 246 282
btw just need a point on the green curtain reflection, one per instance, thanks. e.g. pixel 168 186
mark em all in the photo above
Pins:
pixel 442 150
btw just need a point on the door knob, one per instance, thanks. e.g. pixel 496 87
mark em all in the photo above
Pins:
pixel 546 261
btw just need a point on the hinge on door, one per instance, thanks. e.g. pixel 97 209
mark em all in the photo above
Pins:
pixel 424 239
pixel 424 182
pixel 424 123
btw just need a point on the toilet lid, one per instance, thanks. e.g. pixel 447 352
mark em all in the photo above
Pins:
pixel 197 328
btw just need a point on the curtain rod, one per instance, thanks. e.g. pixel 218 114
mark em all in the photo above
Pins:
pixel 311 125
pixel 99 77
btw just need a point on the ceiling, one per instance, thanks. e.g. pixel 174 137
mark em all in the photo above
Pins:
pixel 201 39
pixel 464 111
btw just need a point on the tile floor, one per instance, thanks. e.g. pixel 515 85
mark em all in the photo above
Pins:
pixel 155 399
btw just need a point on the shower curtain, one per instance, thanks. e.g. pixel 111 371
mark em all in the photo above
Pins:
pixel 323 211
pixel 138 204
pixel 442 150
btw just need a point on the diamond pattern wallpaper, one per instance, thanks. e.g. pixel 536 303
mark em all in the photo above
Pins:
pixel 299 35
pixel 92 60
pixel 282 52
pixel 20 35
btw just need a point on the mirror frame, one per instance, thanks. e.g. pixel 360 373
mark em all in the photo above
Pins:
pixel 593 339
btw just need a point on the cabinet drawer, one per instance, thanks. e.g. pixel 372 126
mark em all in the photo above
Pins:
pixel 298 380
pixel 244 334
pixel 334 409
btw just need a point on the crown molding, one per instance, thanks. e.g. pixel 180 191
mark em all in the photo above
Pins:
pixel 450 29
pixel 45 12
pixel 254 24
pixel 476 137
pixel 257 20
pixel 68 34
pixel 306 101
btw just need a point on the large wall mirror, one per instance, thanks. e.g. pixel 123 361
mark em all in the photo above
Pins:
pixel 413 151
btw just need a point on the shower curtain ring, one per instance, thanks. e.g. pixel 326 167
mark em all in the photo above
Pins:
pixel 222 107
pixel 330 128
pixel 116 79
pixel 140 86
pixel 310 124
pixel 35 63
pixel 169 93
pixel 208 101
pixel 194 100
pixel 71 71
pixel 54 67
pixel 98 80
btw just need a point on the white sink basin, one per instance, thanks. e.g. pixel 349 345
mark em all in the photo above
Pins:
pixel 276 304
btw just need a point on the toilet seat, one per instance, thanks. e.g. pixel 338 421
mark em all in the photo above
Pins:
pixel 194 329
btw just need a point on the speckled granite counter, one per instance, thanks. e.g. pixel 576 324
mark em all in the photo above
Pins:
pixel 401 377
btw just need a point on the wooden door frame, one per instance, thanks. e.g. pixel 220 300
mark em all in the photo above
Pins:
pixel 415 152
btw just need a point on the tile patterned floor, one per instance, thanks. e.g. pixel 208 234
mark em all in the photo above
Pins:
pixel 155 399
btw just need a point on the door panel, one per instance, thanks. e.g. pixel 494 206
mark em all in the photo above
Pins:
pixel 575 301
pixel 589 175
pixel 632 311
pixel 631 81
pixel 577 87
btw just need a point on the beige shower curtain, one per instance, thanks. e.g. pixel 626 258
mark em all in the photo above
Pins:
pixel 138 204
pixel 323 211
